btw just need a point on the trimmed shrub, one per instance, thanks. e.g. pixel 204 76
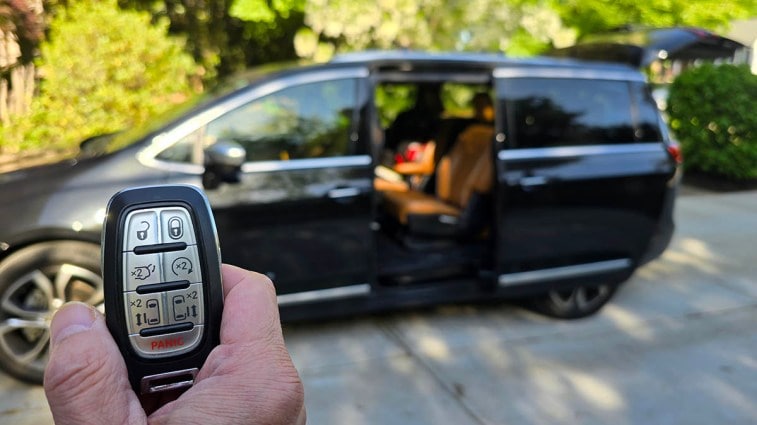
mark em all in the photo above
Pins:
pixel 713 113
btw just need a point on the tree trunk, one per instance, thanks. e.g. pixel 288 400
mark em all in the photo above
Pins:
pixel 17 76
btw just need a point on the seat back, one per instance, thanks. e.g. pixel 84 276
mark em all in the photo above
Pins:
pixel 467 167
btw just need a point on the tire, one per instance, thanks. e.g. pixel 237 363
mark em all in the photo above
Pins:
pixel 34 282
pixel 574 303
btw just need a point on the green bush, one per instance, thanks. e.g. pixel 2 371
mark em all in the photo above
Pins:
pixel 713 112
pixel 103 69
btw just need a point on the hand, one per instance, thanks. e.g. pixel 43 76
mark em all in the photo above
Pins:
pixel 248 379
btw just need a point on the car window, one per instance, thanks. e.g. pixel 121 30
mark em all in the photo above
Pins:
pixel 305 121
pixel 185 150
pixel 567 112
pixel 393 98
pixel 647 115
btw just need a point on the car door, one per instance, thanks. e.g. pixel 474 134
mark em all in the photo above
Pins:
pixel 301 210
pixel 581 171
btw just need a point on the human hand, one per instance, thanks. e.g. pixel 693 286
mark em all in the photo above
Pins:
pixel 248 379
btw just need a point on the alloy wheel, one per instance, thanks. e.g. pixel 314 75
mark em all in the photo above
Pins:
pixel 27 307
pixel 582 298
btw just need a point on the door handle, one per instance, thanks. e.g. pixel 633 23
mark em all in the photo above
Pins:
pixel 533 181
pixel 343 192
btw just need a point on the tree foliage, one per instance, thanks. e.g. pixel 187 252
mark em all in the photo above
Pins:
pixel 712 114
pixel 592 16
pixel 225 36
pixel 103 70
pixel 515 26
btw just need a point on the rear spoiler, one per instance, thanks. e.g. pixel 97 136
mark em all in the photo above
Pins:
pixel 641 47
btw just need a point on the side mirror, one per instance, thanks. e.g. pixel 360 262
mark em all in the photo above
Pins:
pixel 223 164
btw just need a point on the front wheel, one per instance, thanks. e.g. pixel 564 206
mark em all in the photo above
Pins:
pixel 574 303
pixel 34 282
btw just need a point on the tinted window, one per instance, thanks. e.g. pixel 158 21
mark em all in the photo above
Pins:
pixel 563 112
pixel 181 151
pixel 647 119
pixel 304 121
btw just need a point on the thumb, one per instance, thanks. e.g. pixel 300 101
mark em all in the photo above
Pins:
pixel 85 379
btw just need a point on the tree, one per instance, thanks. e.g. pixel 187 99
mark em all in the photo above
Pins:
pixel 592 16
pixel 222 42
pixel 515 26
pixel 103 70
pixel 21 31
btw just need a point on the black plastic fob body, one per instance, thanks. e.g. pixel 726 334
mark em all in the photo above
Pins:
pixel 161 266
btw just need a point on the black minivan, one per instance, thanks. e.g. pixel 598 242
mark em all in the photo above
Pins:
pixel 379 180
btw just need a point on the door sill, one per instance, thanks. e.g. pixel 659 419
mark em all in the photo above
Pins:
pixel 565 272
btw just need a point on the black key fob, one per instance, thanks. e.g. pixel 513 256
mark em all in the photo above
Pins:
pixel 161 268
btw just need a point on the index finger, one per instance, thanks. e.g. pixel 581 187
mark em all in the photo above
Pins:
pixel 233 275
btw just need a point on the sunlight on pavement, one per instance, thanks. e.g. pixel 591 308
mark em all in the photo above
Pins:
pixel 435 348
pixel 628 322
pixel 687 252
pixel 594 391
pixel 401 364
pixel 693 252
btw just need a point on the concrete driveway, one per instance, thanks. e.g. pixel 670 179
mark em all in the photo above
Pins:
pixel 677 346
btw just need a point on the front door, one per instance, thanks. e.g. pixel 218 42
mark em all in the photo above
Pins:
pixel 582 173
pixel 301 212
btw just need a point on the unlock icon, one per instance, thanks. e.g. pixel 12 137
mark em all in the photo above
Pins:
pixel 142 234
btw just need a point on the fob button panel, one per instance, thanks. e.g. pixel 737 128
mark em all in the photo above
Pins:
pixel 157 267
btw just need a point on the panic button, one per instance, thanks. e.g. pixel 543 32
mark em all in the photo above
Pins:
pixel 168 344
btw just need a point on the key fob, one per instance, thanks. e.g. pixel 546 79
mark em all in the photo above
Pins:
pixel 161 267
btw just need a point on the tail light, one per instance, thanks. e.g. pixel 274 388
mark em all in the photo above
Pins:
pixel 674 150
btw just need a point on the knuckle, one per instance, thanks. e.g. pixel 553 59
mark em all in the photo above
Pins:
pixel 70 372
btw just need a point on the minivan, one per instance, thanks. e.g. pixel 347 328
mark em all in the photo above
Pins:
pixel 378 180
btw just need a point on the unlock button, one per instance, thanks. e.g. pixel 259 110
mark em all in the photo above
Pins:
pixel 142 229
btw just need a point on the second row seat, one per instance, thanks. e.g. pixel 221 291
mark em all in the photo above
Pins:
pixel 466 171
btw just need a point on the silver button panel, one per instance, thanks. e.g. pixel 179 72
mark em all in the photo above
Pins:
pixel 163 289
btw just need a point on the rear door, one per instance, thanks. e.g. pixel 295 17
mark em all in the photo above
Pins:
pixel 581 172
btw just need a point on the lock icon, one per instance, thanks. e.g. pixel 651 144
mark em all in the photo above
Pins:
pixel 175 228
pixel 142 234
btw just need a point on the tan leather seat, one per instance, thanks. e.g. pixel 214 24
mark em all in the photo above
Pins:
pixel 465 170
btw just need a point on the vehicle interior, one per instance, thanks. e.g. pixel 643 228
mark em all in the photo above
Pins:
pixel 435 178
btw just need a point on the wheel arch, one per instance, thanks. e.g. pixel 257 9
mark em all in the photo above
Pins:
pixel 21 241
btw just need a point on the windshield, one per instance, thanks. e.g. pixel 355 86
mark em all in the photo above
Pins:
pixel 109 143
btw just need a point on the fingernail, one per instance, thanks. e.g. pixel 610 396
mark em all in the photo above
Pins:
pixel 72 318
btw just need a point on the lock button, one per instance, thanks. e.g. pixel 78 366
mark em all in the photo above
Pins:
pixel 141 229
pixel 176 226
